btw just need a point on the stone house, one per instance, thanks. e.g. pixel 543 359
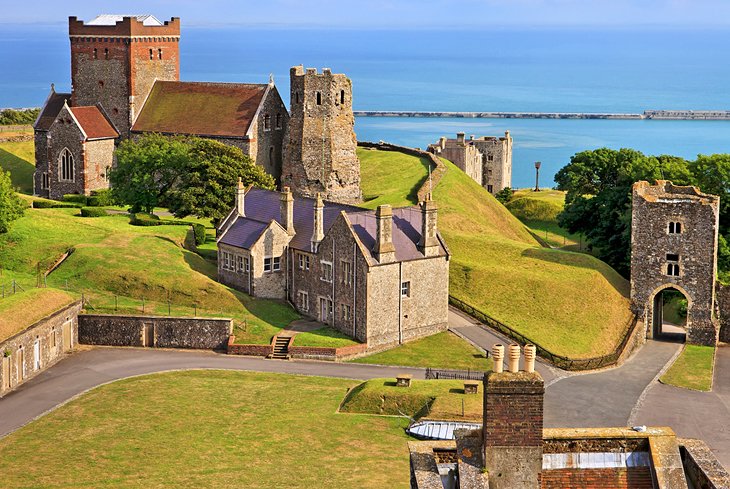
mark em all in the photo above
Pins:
pixel 74 149
pixel 487 160
pixel 380 276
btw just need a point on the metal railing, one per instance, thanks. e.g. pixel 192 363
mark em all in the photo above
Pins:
pixel 434 374
pixel 560 361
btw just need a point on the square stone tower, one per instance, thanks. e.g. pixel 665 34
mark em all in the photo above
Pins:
pixel 115 59
pixel 320 153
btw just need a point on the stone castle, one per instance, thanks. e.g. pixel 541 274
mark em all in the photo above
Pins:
pixel 487 160
pixel 125 75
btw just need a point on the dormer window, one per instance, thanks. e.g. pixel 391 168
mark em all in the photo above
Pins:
pixel 675 227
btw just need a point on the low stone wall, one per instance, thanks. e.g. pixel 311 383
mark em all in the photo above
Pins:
pixel 701 466
pixel 247 349
pixel 155 331
pixel 722 297
pixel 327 353
pixel 28 353
pixel 438 169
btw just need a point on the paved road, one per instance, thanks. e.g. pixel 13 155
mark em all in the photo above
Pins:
pixel 606 398
pixel 693 414
pixel 84 370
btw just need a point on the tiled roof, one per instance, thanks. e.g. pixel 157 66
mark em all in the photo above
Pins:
pixel 94 123
pixel 53 106
pixel 200 108
pixel 263 206
pixel 112 19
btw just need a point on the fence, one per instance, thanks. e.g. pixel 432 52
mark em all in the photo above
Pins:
pixel 560 361
pixel 435 374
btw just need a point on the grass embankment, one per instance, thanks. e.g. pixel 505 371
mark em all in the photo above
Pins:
pixel 23 308
pixel 113 258
pixel 539 212
pixel 693 368
pixel 570 303
pixel 208 429
pixel 442 350
pixel 435 399
pixel 392 178
pixel 323 337
pixel 18 158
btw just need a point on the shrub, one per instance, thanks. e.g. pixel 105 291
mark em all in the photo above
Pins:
pixel 199 231
pixel 101 198
pixel 53 204
pixel 76 198
pixel 504 195
pixel 140 219
pixel 93 212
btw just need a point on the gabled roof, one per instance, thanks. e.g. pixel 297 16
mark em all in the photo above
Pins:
pixel 112 19
pixel 49 112
pixel 263 206
pixel 201 108
pixel 94 123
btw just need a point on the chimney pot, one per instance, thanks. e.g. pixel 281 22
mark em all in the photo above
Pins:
pixel 240 198
pixel 318 231
pixel 530 352
pixel 498 358
pixel 287 210
pixel 460 137
pixel 514 358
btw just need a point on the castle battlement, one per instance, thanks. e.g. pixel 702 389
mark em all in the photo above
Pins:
pixel 124 26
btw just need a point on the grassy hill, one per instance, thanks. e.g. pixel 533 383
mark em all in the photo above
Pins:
pixel 571 303
pixel 17 158
pixel 539 212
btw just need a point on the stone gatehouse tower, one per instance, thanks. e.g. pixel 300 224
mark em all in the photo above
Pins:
pixel 674 232
pixel 320 154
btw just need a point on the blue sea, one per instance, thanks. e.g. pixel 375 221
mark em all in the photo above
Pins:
pixel 547 70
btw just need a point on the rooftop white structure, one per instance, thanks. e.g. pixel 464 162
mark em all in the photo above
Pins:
pixel 112 19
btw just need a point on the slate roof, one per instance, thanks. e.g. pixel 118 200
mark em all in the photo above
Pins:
pixel 50 110
pixel 263 206
pixel 94 122
pixel 112 19
pixel 200 108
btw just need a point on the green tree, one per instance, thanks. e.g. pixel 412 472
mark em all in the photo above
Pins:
pixel 206 188
pixel 598 196
pixel 11 207
pixel 147 169
pixel 504 195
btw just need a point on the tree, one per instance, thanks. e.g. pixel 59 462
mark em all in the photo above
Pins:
pixel 147 169
pixel 11 207
pixel 206 187
pixel 504 195
pixel 598 196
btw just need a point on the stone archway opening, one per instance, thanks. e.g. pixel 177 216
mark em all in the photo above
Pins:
pixel 670 314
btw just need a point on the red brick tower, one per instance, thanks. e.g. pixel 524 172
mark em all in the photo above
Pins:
pixel 116 59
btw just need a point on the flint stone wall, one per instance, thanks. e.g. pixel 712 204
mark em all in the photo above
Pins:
pixel 169 332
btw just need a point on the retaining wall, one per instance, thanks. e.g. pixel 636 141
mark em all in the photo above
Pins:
pixel 327 353
pixel 157 331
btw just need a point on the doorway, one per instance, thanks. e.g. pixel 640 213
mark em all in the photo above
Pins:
pixel 66 336
pixel 6 373
pixel 148 334
pixel 37 354
pixel 670 315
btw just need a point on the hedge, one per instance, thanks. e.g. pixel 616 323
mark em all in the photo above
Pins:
pixel 101 198
pixel 141 219
pixel 76 198
pixel 199 231
pixel 53 204
pixel 93 212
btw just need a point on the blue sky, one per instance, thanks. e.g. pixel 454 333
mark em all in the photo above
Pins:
pixel 417 14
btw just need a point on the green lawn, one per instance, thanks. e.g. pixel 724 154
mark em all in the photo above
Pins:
pixel 18 158
pixel 539 212
pixel 570 303
pixel 442 350
pixel 392 178
pixel 208 429
pixel 24 307
pixel 326 337
pixel 435 399
pixel 693 368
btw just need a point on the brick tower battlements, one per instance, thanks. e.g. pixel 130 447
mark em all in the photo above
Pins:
pixel 321 144
pixel 115 60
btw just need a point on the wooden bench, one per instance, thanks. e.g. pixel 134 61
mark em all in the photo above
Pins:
pixel 471 386
pixel 403 380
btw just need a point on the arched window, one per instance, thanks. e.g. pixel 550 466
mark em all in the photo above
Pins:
pixel 278 120
pixel 675 228
pixel 66 166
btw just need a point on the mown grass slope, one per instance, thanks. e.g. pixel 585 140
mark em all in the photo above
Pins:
pixel 539 212
pixel 18 158
pixel 25 307
pixel 209 429
pixel 570 303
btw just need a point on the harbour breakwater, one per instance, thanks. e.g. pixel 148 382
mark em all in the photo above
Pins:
pixel 686 115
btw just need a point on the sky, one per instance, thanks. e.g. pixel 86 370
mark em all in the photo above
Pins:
pixel 389 14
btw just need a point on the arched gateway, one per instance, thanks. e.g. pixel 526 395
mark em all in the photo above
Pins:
pixel 674 246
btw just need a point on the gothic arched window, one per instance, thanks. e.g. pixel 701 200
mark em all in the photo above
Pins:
pixel 66 166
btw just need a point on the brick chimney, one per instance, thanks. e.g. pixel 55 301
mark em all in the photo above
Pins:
pixel 287 210
pixel 429 243
pixel 318 231
pixel 240 198
pixel 513 422
pixel 384 249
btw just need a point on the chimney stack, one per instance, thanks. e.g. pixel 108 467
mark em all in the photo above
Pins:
pixel 513 423
pixel 442 142
pixel 318 231
pixel 429 243
pixel 460 137
pixel 240 198
pixel 287 210
pixel 384 249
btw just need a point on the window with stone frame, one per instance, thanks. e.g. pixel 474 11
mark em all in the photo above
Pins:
pixel 159 53
pixel 342 97
pixel 278 120
pixel 226 260
pixel 246 264
pixel 319 98
pixel 346 272
pixel 346 311
pixel 267 264
pixel 45 184
pixel 272 263
pixel 303 301
pixel 106 53
pixel 239 263
pixel 490 157
pixel 304 261
pixel 675 227
pixel 66 167
pixel 267 122
pixel 277 263
pixel 96 53
pixel 152 56
pixel 405 289
pixel 673 264
pixel 326 271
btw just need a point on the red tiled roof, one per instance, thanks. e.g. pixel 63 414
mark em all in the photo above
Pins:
pixel 53 106
pixel 200 108
pixel 94 123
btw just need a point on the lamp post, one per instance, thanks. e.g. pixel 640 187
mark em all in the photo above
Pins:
pixel 537 176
